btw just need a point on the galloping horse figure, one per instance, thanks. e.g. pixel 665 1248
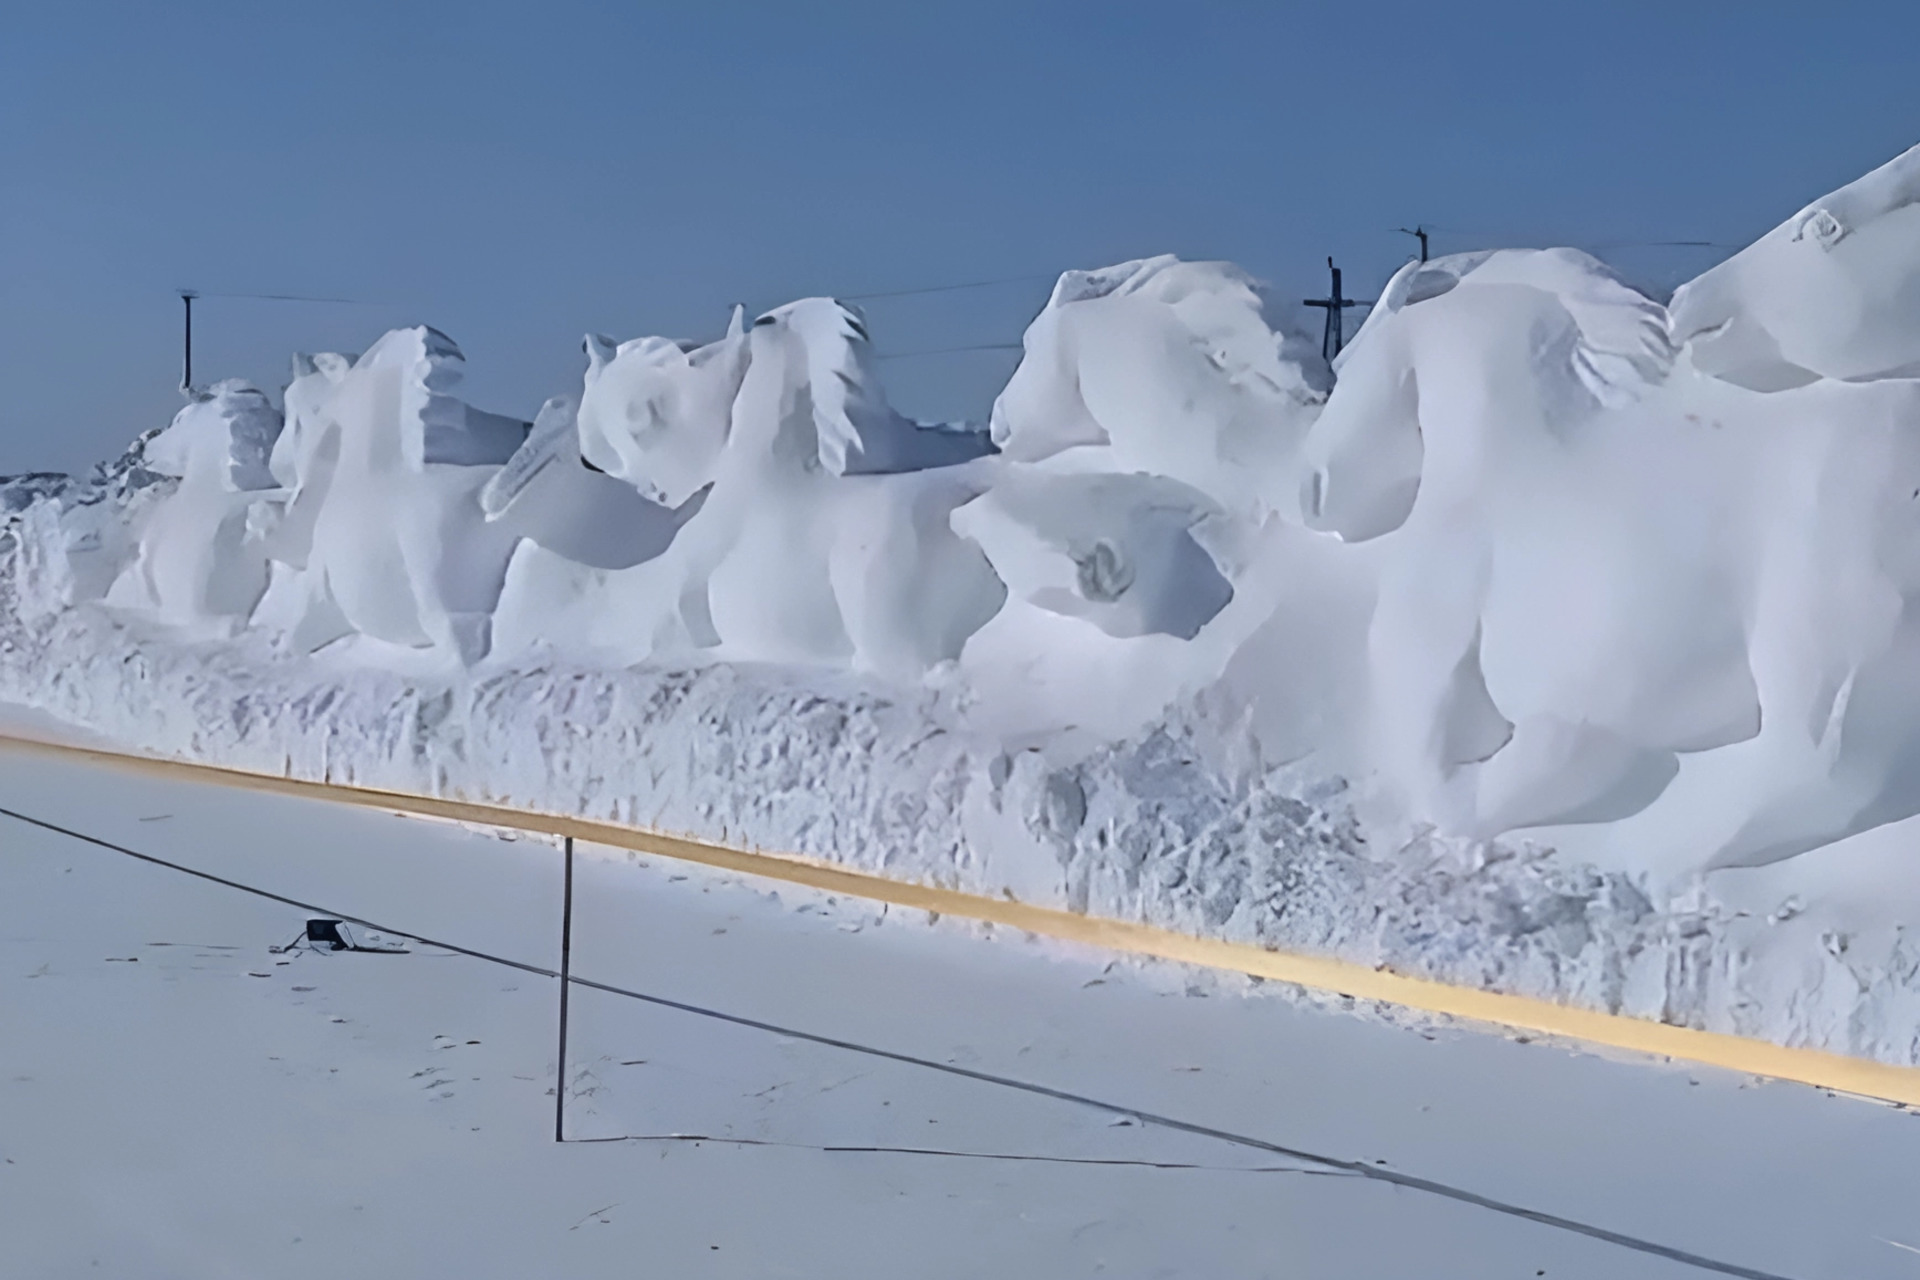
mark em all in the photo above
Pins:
pixel 382 531
pixel 1542 643
pixel 1602 551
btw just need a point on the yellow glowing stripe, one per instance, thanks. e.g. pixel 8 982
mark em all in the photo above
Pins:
pixel 1736 1053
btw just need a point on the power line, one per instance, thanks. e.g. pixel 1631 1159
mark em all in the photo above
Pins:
pixel 187 296
pixel 947 351
pixel 293 297
pixel 1665 244
pixel 1516 238
pixel 1359 1168
pixel 947 288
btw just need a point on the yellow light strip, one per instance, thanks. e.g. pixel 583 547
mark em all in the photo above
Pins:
pixel 1816 1067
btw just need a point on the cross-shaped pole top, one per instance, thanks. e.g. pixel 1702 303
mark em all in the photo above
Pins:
pixel 1334 304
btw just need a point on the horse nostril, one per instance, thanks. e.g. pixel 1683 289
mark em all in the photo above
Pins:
pixel 1316 493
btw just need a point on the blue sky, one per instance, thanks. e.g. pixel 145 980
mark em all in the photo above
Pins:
pixel 520 174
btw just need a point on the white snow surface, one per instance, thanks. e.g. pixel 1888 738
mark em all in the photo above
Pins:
pixel 175 1101
pixel 1554 640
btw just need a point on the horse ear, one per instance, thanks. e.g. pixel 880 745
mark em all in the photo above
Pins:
pixel 854 319
pixel 600 350
pixel 737 322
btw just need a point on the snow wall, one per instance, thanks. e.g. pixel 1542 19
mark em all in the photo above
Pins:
pixel 1553 639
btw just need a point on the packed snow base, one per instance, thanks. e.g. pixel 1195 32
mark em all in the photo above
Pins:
pixel 1489 653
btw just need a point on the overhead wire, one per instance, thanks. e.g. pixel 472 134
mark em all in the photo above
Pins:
pixel 291 297
pixel 1513 237
pixel 1591 247
pixel 947 288
pixel 1030 277
pixel 947 351
pixel 1374 1172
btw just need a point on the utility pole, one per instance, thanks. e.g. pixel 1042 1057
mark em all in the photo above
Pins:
pixel 186 355
pixel 566 965
pixel 1335 305
pixel 1420 232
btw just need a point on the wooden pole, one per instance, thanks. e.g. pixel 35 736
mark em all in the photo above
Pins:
pixel 1336 315
pixel 566 963
pixel 1335 303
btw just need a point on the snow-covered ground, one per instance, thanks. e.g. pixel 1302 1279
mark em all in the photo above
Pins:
pixel 177 1101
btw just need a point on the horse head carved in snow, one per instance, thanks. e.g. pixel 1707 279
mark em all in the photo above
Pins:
pixel 1574 340
pixel 1833 292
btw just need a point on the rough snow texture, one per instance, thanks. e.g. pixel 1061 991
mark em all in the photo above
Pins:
pixel 1556 640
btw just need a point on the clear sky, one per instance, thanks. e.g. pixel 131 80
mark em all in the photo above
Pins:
pixel 518 174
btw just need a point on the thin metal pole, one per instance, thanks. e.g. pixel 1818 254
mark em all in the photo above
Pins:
pixel 186 354
pixel 566 964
